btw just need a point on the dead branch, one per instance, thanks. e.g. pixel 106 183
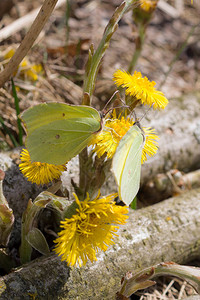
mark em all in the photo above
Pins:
pixel 168 231
pixel 28 41
pixel 22 22
pixel 168 9
pixel 165 185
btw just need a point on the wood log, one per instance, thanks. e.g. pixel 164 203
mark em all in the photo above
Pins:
pixel 178 127
pixel 166 231
pixel 164 186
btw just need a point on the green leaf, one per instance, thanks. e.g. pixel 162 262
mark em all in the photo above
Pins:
pixel 37 240
pixel 134 203
pixel 17 113
pixel 7 130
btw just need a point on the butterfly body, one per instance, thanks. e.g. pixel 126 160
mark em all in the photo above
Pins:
pixel 56 132
pixel 126 164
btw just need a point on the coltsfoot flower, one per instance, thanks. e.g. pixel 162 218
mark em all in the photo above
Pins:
pixel 151 145
pixel 37 172
pixel 108 139
pixel 91 229
pixel 148 5
pixel 25 69
pixel 140 88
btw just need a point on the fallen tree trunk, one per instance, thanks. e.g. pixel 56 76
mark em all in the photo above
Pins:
pixel 178 127
pixel 167 231
pixel 164 186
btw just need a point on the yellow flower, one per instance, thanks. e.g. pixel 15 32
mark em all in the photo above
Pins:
pixel 151 145
pixel 148 5
pixel 92 228
pixel 32 72
pixel 37 172
pixel 25 68
pixel 9 54
pixel 108 139
pixel 140 88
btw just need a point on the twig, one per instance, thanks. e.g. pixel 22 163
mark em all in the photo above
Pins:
pixel 168 287
pixel 22 22
pixel 168 9
pixel 179 4
pixel 28 41
pixel 138 47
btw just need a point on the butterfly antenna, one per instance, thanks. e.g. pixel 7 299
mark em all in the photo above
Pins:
pixel 111 98
pixel 146 113
pixel 104 112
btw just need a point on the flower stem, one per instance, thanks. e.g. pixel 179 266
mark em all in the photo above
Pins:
pixel 176 57
pixel 92 69
pixel 27 223
pixel 28 220
pixel 95 59
pixel 138 47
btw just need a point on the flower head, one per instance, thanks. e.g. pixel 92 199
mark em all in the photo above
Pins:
pixel 108 139
pixel 151 145
pixel 93 227
pixel 140 88
pixel 148 5
pixel 37 172
pixel 25 69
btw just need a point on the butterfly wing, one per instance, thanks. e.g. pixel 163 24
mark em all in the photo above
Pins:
pixel 56 132
pixel 127 164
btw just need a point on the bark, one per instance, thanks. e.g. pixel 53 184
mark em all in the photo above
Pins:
pixel 178 127
pixel 167 231
pixel 166 185
pixel 17 190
